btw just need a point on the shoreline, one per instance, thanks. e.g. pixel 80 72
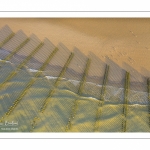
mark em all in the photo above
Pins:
pixel 105 37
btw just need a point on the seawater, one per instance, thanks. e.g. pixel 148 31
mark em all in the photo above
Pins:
pixel 58 112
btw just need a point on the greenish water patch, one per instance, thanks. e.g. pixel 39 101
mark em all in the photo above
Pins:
pixel 57 113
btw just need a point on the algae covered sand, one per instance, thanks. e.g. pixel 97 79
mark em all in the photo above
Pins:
pixel 56 115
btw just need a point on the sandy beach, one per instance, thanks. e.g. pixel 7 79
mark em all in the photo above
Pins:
pixel 102 86
pixel 123 40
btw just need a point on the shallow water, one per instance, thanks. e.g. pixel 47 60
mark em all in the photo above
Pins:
pixel 60 105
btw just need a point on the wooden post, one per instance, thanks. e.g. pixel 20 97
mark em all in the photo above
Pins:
pixel 125 105
pixel 103 92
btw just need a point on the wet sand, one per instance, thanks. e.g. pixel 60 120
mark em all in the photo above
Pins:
pixel 122 40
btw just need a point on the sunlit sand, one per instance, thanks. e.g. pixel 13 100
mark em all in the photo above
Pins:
pixel 96 80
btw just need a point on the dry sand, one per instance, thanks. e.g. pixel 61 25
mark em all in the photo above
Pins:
pixel 122 40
